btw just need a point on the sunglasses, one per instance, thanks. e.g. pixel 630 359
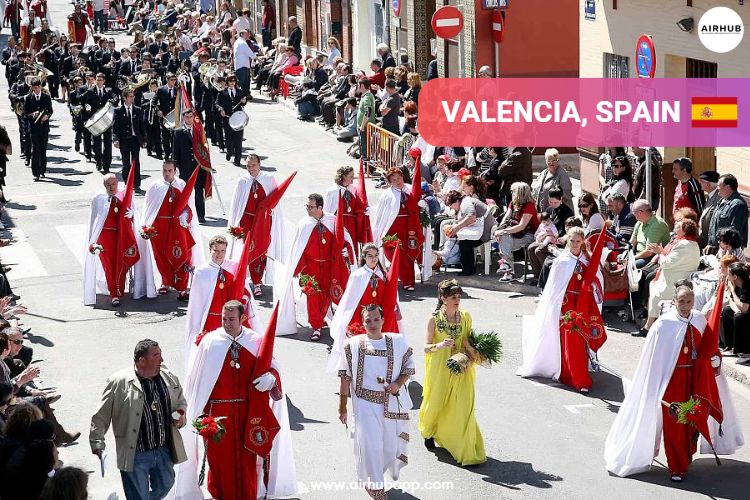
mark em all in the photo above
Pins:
pixel 309 207
pixel 584 205
pixel 17 342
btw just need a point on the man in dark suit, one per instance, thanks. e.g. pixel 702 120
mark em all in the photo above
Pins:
pixel 129 133
pixel 97 97
pixel 183 155
pixel 295 36
pixel 38 108
pixel 228 101
pixel 165 99
pixel 86 113
pixel 18 92
pixel 126 66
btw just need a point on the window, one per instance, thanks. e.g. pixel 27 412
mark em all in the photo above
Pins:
pixel 701 69
pixel 379 22
pixel 616 66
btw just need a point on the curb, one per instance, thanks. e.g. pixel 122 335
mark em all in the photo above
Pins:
pixel 740 374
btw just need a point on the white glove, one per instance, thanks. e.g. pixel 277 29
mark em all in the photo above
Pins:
pixel 367 211
pixel 183 219
pixel 422 203
pixel 715 362
pixel 129 213
pixel 345 252
pixel 265 382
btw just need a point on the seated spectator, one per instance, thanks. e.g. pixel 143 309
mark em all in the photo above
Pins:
pixel 16 430
pixel 334 50
pixel 730 212
pixel 706 283
pixel 30 469
pixel 517 227
pixel 623 220
pixel 622 180
pixel 275 75
pixel 377 78
pixel 348 131
pixel 735 317
pixel 451 181
pixel 676 262
pixel 558 213
pixel 68 483
pixel 552 176
pixel 649 229
pixel 440 174
pixel 589 210
pixel 730 243
pixel 6 396
pixel 472 229
pixel 475 187
pixel 415 85
pixel 307 102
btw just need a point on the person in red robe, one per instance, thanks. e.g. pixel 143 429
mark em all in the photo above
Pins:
pixel 40 8
pixel 354 208
pixel 80 22
pixel 233 471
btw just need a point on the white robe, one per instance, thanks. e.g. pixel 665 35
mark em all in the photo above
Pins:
pixel 331 200
pixel 152 204
pixel 202 374
pixel 634 439
pixel 93 271
pixel 201 295
pixel 277 248
pixel 380 430
pixel 540 343
pixel 355 287
pixel 288 293
pixel 382 220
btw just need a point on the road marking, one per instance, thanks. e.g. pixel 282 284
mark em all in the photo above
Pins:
pixel 574 408
pixel 74 237
pixel 21 254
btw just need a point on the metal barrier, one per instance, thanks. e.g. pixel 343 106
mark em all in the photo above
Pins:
pixel 385 149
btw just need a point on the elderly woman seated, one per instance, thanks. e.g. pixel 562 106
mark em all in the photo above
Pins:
pixel 473 227
pixel 680 258
pixel 517 227
pixel 552 177
pixel 705 283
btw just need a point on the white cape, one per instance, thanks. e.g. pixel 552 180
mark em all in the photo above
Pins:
pixel 382 220
pixel 288 292
pixel 152 203
pixel 277 248
pixel 93 272
pixel 541 332
pixel 634 439
pixel 202 374
pixel 201 295
pixel 355 287
pixel 331 199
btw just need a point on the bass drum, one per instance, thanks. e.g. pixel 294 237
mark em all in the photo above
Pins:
pixel 169 120
pixel 101 121
pixel 238 120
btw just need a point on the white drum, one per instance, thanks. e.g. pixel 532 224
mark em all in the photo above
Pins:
pixel 101 121
pixel 169 120
pixel 238 120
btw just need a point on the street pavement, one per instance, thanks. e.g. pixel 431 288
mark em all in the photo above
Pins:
pixel 543 440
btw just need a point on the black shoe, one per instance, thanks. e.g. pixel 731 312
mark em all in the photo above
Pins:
pixel 643 314
pixel 201 220
pixel 228 157
pixel 237 164
pixel 640 333
pixel 78 148
pixel 44 176
pixel 36 178
pixel 429 443
pixel 159 156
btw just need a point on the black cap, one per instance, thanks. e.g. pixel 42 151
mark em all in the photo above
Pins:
pixel 710 176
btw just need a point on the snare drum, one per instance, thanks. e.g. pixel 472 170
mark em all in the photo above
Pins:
pixel 101 121
pixel 238 120
pixel 169 120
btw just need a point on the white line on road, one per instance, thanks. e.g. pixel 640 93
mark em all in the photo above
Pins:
pixel 74 237
pixel 21 254
pixel 574 408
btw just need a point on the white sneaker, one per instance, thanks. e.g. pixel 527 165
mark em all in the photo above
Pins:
pixel 537 298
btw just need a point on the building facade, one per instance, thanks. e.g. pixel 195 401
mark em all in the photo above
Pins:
pixel 608 44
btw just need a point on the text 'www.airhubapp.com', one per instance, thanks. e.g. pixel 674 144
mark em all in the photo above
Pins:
pixel 387 485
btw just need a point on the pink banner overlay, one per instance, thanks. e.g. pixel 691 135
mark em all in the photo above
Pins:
pixel 585 112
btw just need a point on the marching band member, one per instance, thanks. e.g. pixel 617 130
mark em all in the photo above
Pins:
pixel 96 98
pixel 165 98
pixel 153 122
pixel 227 102
pixel 38 109
pixel 129 133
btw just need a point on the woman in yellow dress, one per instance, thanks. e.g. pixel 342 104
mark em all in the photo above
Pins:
pixel 446 417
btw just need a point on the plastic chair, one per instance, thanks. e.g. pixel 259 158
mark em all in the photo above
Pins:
pixel 283 85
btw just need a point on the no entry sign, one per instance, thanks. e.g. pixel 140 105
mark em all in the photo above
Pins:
pixel 498 26
pixel 447 22
pixel 645 57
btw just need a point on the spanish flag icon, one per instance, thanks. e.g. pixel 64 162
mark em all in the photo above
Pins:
pixel 714 112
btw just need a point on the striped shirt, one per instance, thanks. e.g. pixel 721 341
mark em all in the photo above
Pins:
pixel 689 194
pixel 155 431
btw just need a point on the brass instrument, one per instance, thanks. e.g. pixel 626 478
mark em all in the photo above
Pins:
pixel 18 108
pixel 125 82
pixel 41 72
pixel 76 110
pixel 48 47
pixel 141 79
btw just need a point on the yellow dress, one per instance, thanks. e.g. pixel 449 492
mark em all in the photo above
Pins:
pixel 447 411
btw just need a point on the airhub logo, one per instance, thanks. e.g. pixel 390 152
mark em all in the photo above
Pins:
pixel 721 29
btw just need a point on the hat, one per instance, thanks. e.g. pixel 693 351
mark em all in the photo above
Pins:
pixel 710 176
pixel 445 158
pixel 425 186
pixel 463 172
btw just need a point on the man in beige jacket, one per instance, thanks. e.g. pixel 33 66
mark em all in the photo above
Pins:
pixel 146 408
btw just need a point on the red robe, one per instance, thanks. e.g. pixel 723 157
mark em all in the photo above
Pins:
pixel 317 261
pixel 222 295
pixel 172 244
pixel 369 298
pixel 79 22
pixel 254 197
pixel 574 361
pixel 108 240
pixel 680 440
pixel 232 472
pixel 403 227
pixel 354 219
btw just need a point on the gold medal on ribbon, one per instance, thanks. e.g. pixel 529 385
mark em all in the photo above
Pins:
pixel 374 293
pixel 232 363
pixel 221 286
pixel 685 350
pixel 348 209
pixel 580 277
pixel 255 195
pixel 117 209
pixel 153 405
pixel 323 241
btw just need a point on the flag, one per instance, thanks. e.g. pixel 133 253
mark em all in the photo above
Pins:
pixel 262 426
pixel 201 151
pixel 391 315
pixel 340 267
pixel 595 335
pixel 364 228
pixel 182 103
pixel 127 249
pixel 261 237
pixel 415 233
pixel 714 112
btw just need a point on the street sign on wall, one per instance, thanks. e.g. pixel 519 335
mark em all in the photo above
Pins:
pixel 590 10
pixel 494 4
pixel 645 57
pixel 447 22
pixel 498 26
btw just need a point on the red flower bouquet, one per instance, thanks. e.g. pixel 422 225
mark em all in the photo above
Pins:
pixel 148 232
pixel 575 322
pixel 237 232
pixel 355 329
pixel 390 242
pixel 96 248
pixel 688 413
pixel 210 427
pixel 309 284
